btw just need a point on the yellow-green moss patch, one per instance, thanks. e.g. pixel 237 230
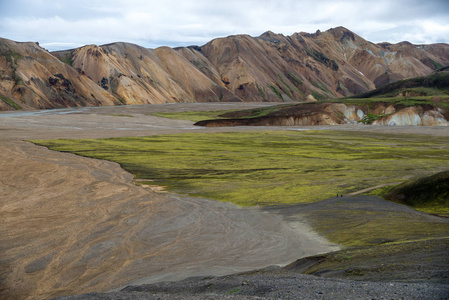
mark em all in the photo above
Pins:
pixel 261 168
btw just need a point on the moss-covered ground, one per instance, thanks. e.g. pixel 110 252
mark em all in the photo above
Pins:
pixel 383 241
pixel 417 261
pixel 435 101
pixel 121 115
pixel 368 103
pixel 193 116
pixel 196 116
pixel 431 85
pixel 361 221
pixel 429 194
pixel 262 168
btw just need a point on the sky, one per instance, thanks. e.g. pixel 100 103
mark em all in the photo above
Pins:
pixel 68 24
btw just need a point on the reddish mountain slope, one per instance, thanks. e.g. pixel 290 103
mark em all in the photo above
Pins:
pixel 271 67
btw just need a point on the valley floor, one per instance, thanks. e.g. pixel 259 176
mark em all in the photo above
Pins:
pixel 73 225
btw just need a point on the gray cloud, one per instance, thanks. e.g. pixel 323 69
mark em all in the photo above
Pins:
pixel 65 24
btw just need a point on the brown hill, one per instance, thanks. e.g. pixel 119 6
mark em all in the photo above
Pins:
pixel 31 77
pixel 142 76
pixel 271 67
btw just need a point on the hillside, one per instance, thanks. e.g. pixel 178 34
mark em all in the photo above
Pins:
pixel 436 84
pixel 33 78
pixel 429 194
pixel 271 67
pixel 416 101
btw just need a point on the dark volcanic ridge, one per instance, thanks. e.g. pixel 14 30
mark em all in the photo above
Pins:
pixel 271 68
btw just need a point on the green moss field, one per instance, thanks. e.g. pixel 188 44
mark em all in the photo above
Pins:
pixel 269 167
pixel 193 116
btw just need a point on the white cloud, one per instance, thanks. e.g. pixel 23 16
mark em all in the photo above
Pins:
pixel 174 22
pixel 60 45
pixel 435 31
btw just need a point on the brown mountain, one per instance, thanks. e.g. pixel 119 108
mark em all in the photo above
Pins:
pixel 271 67
pixel 31 77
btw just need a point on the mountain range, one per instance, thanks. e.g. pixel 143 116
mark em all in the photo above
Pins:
pixel 271 67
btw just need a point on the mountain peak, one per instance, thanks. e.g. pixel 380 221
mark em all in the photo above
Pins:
pixel 342 33
pixel 267 33
pixel 270 36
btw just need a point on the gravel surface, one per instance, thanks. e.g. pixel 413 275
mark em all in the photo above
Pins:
pixel 275 285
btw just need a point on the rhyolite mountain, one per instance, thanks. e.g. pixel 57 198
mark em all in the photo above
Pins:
pixel 271 67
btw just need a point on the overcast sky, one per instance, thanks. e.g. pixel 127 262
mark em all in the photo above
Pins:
pixel 66 24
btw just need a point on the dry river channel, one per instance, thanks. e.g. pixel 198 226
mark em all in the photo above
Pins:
pixel 72 225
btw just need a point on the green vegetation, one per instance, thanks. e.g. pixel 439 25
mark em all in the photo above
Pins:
pixel 256 112
pixel 121 100
pixel 437 65
pixel 442 102
pixel 276 91
pixel 343 87
pixel 249 168
pixel 438 83
pixel 363 226
pixel 432 90
pixel 196 116
pixel 10 103
pixel 262 92
pixel 121 115
pixel 67 58
pixel 11 55
pixel 286 88
pixel 318 56
pixel 320 86
pixel 278 110
pixel 393 261
pixel 370 118
pixel 234 291
pixel 294 78
pixel 318 96
pixel 193 116
pixel 429 194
